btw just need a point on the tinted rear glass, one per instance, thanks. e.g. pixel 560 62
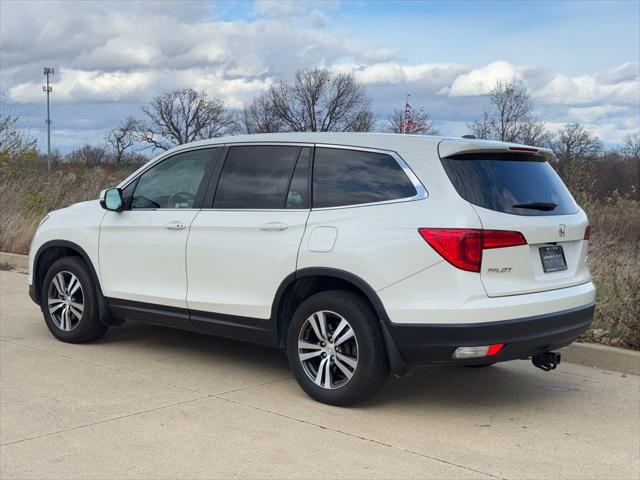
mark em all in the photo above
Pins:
pixel 256 177
pixel 352 177
pixel 511 183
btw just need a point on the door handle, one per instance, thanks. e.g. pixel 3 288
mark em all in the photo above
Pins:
pixel 175 226
pixel 274 227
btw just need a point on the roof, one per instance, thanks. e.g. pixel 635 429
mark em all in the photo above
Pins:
pixel 385 141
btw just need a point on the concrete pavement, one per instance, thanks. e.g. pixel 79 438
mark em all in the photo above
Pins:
pixel 151 402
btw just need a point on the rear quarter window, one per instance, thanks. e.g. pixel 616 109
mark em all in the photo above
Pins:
pixel 515 183
pixel 343 177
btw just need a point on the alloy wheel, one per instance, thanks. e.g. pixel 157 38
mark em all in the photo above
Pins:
pixel 328 349
pixel 65 301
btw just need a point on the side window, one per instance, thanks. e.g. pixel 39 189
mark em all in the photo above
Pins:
pixel 298 189
pixel 351 177
pixel 256 177
pixel 173 183
pixel 127 193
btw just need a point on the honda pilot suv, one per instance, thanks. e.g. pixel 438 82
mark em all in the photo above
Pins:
pixel 357 254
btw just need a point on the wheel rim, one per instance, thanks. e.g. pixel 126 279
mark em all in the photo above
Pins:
pixel 65 301
pixel 328 349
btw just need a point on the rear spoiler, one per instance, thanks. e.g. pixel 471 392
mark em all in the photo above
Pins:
pixel 450 147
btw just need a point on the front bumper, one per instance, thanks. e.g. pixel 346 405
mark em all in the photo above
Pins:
pixel 523 338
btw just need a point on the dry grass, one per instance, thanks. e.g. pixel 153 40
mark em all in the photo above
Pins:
pixel 28 193
pixel 614 259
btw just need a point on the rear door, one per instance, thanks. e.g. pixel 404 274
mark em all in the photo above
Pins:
pixel 520 191
pixel 246 243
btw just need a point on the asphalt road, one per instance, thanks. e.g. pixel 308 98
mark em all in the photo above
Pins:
pixel 151 402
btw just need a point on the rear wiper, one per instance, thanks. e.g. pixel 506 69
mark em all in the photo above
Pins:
pixel 544 206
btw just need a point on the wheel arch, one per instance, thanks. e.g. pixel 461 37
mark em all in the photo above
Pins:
pixel 51 251
pixel 305 282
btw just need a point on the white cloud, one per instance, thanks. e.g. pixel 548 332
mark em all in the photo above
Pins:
pixel 78 85
pixel 620 85
pixel 426 75
pixel 480 80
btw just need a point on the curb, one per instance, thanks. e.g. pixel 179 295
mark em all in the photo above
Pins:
pixel 588 354
pixel 15 260
pixel 603 356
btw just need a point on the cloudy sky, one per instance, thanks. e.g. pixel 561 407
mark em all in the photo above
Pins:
pixel 580 59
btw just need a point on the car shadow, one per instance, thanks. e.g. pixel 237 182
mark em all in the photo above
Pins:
pixel 514 383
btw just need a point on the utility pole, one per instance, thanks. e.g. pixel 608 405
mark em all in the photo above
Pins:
pixel 47 89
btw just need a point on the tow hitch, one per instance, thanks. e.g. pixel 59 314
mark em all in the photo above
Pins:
pixel 546 361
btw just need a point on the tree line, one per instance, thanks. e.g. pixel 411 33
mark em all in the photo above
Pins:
pixel 318 100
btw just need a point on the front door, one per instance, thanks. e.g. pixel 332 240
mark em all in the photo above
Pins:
pixel 142 249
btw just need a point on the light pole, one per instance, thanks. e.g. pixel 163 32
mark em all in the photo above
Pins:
pixel 47 89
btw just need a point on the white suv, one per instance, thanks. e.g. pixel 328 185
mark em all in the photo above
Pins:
pixel 358 254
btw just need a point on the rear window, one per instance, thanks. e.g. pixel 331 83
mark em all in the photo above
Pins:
pixel 514 183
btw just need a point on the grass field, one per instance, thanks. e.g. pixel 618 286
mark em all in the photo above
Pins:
pixel 28 193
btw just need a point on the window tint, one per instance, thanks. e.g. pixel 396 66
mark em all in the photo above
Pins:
pixel 298 190
pixel 351 177
pixel 511 183
pixel 127 193
pixel 173 183
pixel 256 177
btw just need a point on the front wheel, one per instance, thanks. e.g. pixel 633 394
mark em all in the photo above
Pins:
pixel 69 302
pixel 335 348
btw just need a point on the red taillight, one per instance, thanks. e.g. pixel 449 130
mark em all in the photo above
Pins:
pixel 493 349
pixel 462 247
pixel 501 238
pixel 587 232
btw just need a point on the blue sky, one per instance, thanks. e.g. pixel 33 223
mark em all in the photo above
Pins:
pixel 578 58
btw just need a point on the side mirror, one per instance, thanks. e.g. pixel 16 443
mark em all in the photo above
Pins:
pixel 111 199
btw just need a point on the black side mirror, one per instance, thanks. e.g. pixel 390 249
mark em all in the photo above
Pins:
pixel 111 199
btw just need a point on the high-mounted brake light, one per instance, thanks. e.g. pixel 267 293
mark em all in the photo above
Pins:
pixel 462 247
pixel 587 232
pixel 524 149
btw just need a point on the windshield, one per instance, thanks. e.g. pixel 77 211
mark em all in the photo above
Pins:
pixel 516 183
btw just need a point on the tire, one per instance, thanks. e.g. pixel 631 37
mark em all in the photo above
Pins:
pixel 366 347
pixel 72 328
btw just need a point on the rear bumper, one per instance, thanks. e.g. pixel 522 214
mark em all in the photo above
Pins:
pixel 523 338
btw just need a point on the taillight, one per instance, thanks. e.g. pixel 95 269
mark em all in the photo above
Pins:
pixel 462 247
pixel 587 232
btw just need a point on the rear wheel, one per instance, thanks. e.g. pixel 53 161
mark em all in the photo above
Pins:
pixel 69 302
pixel 335 348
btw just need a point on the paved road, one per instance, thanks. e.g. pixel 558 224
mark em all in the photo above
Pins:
pixel 150 402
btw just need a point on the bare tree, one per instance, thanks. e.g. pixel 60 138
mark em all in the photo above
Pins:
pixel 630 148
pixel 576 151
pixel 183 116
pixel 122 138
pixel 89 156
pixel 510 117
pixel 259 117
pixel 574 141
pixel 419 123
pixel 535 133
pixel 14 145
pixel 317 101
